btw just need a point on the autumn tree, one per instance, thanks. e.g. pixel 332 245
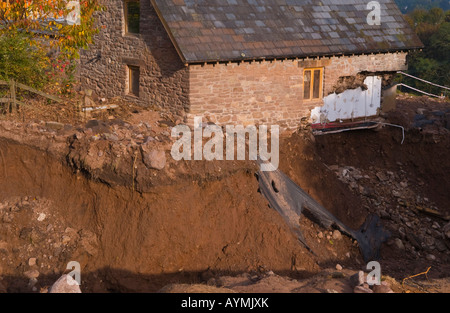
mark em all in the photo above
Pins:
pixel 60 28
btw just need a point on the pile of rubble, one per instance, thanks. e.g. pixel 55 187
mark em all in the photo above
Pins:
pixel 426 118
pixel 36 243
pixel 417 225
pixel 328 281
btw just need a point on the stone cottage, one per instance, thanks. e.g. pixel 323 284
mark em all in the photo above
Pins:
pixel 249 61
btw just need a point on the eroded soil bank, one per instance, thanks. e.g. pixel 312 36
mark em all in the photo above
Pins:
pixel 141 240
pixel 87 194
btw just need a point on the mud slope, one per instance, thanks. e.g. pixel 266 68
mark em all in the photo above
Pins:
pixel 300 160
pixel 222 225
pixel 423 158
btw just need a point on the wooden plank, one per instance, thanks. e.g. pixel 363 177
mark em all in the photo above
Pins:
pixel 101 108
pixel 22 103
pixel 8 100
pixel 12 94
pixel 43 94
pixel 433 213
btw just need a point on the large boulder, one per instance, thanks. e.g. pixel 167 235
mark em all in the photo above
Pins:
pixel 153 158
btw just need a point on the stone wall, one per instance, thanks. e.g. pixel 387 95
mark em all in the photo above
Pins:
pixel 271 92
pixel 262 92
pixel 164 79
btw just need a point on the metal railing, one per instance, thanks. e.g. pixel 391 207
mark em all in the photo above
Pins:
pixel 424 81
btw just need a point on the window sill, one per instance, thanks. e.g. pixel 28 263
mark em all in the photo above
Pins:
pixel 313 100
pixel 132 96
pixel 132 35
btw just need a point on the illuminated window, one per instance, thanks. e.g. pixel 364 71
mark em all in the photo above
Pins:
pixel 132 16
pixel 312 83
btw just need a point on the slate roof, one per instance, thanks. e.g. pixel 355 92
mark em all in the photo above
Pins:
pixel 231 30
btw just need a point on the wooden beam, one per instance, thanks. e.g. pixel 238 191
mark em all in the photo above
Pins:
pixel 20 103
pixel 12 95
pixel 43 94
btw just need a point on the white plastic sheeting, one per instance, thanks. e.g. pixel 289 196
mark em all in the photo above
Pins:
pixel 350 104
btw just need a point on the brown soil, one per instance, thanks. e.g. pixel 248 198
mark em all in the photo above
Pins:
pixel 134 228
pixel 176 230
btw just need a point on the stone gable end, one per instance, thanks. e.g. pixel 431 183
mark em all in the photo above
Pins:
pixel 103 67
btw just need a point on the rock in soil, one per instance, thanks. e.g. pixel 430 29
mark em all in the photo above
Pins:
pixel 66 284
pixel 358 279
pixel 383 288
pixel 361 289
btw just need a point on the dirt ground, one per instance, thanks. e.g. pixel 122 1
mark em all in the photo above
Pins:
pixel 103 190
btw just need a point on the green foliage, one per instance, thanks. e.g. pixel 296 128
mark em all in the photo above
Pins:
pixel 440 43
pixel 38 47
pixel 45 18
pixel 433 63
pixel 21 61
pixel 410 5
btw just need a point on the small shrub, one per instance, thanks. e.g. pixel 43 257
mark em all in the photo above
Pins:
pixel 22 61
